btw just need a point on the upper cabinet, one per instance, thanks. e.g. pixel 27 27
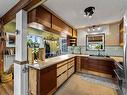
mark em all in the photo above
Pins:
pixel 50 22
pixel 121 29
pixel 41 16
pixel 59 25
pixel 74 34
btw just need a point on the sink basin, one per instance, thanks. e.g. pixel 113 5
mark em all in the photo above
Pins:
pixel 99 55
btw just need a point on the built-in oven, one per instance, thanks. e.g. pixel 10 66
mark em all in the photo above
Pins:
pixel 119 76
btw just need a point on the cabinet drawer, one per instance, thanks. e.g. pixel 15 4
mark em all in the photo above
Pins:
pixel 73 59
pixel 71 71
pixel 61 79
pixel 62 69
pixel 60 64
pixel 71 64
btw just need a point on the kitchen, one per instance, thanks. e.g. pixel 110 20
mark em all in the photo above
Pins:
pixel 59 52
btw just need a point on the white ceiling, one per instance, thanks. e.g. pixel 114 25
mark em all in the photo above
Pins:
pixel 6 5
pixel 72 11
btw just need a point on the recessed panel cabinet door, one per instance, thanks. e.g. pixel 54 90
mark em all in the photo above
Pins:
pixel 84 63
pixel 61 79
pixel 74 33
pixel 43 16
pixel 61 69
pixel 71 71
pixel 47 80
pixel 60 26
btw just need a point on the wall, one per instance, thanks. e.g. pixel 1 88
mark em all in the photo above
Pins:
pixel 111 35
pixel 11 28
pixel 111 40
pixel 109 51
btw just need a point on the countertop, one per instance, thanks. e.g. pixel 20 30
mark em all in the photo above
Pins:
pixel 51 61
pixel 54 60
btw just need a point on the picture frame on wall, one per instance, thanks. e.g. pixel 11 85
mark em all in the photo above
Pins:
pixel 95 42
pixel 10 40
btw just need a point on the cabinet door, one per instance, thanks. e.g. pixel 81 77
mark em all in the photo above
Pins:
pixel 84 63
pixel 60 26
pixel 57 24
pixel 40 15
pixel 78 63
pixel 74 33
pixel 43 16
pixel 61 79
pixel 71 71
pixel 47 80
pixel 61 69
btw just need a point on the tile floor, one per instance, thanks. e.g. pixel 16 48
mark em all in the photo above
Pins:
pixel 81 84
pixel 78 84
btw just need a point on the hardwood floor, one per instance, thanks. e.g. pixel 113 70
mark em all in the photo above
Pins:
pixel 6 88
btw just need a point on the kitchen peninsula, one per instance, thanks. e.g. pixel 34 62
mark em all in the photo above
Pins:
pixel 46 77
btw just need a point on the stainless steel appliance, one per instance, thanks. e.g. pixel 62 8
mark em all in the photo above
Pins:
pixel 124 83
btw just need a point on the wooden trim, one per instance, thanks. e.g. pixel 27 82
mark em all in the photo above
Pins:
pixel 20 62
pixel 22 4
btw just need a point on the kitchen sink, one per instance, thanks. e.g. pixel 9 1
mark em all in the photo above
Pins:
pixel 100 55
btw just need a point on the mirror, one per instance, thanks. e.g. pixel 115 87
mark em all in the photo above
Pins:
pixel 95 42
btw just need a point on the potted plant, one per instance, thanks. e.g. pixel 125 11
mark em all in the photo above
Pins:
pixel 30 43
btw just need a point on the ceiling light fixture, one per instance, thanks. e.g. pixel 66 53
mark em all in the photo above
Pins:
pixel 94 28
pixel 89 11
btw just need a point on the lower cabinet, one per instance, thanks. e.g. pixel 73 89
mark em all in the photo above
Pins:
pixel 47 80
pixel 102 65
pixel 61 79
pixel 43 82
pixel 78 64
pixel 65 70
pixel 71 71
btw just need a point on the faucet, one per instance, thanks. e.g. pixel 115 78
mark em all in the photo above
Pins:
pixel 99 52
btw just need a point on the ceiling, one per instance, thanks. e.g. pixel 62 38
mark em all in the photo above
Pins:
pixel 72 11
pixel 6 5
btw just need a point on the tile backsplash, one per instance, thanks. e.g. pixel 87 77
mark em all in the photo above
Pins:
pixel 109 50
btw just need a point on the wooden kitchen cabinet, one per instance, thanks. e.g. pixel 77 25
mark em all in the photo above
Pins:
pixel 78 64
pixel 84 63
pixel 121 32
pixel 43 82
pixel 74 33
pixel 61 69
pixel 71 41
pixel 41 16
pixel 64 71
pixel 46 81
pixel 101 65
pixel 59 25
pixel 61 79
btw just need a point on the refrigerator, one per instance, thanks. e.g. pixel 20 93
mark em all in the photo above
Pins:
pixel 125 56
